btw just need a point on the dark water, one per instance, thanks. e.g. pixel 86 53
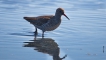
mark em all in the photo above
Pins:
pixel 83 37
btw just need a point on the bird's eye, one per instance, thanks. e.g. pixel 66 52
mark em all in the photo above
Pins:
pixel 61 12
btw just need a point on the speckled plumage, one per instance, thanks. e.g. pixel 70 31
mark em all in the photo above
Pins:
pixel 47 22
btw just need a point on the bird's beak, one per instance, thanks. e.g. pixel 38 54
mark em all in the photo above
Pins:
pixel 66 16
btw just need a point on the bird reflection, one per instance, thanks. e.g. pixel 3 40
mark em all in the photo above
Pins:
pixel 45 45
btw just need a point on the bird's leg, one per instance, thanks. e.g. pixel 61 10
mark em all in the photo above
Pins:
pixel 36 31
pixel 42 34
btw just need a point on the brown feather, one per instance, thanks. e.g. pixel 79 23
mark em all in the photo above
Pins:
pixel 38 20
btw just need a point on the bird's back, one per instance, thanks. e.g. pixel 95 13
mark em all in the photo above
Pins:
pixel 40 20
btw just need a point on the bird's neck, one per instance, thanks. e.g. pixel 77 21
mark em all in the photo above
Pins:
pixel 58 16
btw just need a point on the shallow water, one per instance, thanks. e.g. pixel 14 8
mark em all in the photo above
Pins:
pixel 83 37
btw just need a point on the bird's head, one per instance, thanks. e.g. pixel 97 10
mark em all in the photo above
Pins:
pixel 61 12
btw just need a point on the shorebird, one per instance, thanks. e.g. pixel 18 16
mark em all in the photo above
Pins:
pixel 47 22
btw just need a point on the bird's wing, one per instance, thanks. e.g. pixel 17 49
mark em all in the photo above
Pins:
pixel 38 20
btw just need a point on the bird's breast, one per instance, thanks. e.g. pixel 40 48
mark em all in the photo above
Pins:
pixel 52 26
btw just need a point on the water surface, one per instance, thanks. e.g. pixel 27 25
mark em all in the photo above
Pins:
pixel 80 38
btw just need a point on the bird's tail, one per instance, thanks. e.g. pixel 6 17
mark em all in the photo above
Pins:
pixel 30 19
